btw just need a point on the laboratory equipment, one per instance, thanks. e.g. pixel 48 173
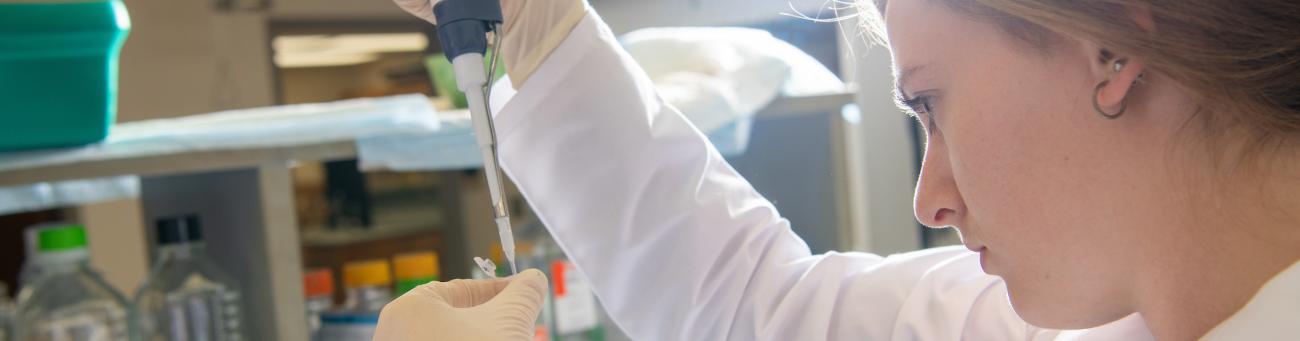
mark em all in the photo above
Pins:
pixel 318 289
pixel 444 78
pixel 344 326
pixel 187 296
pixel 369 285
pixel 68 300
pixel 570 311
pixel 369 288
pixel 414 269
pixel 463 26
pixel 59 67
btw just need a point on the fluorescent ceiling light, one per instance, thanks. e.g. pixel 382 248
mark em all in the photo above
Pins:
pixel 344 49
pixel 289 60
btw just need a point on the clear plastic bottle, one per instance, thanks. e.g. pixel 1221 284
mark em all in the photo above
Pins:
pixel 68 300
pixel 318 289
pixel 369 287
pixel 187 296
pixel 571 312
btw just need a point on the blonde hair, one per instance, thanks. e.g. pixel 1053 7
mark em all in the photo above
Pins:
pixel 1241 58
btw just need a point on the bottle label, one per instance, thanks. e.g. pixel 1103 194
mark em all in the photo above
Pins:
pixel 348 327
pixel 575 305
pixel 92 321
pixel 202 311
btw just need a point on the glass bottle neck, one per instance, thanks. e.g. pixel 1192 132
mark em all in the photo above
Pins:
pixel 368 298
pixel 62 259
pixel 181 250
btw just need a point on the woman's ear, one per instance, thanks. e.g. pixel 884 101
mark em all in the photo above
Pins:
pixel 1120 75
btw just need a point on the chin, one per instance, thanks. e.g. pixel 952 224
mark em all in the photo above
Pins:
pixel 1056 312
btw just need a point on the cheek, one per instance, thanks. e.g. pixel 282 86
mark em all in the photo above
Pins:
pixel 1023 162
pixel 1023 172
pixel 1010 159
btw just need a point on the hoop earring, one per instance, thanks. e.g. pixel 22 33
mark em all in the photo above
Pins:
pixel 1123 104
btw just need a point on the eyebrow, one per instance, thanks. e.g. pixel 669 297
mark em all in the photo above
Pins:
pixel 906 75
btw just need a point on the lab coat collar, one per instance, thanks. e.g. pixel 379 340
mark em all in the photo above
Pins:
pixel 1273 314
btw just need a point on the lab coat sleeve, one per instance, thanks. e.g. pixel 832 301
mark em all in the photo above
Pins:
pixel 678 246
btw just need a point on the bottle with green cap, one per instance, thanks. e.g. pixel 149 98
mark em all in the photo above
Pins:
pixel 66 299
pixel 187 296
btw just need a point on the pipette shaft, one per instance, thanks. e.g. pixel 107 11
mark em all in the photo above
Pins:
pixel 462 29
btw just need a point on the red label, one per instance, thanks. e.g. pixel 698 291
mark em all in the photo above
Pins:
pixel 557 277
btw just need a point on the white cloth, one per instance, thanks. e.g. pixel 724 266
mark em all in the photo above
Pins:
pixel 713 75
pixel 679 247
pixel 265 127
pixel 45 195
pixel 371 122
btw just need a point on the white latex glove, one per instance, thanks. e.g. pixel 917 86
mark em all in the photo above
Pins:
pixel 533 28
pixel 488 310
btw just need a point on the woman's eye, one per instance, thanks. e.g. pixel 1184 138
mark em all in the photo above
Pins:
pixel 924 105
pixel 919 104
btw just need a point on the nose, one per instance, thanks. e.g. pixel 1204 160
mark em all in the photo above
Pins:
pixel 938 201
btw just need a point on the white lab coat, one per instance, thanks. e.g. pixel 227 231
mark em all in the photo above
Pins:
pixel 678 246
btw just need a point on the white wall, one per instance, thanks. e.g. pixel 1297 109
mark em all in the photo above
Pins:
pixel 331 9
pixel 182 57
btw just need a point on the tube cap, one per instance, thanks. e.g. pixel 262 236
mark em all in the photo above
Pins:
pixel 415 269
pixel 178 229
pixel 367 273
pixel 61 237
pixel 415 265
pixel 318 282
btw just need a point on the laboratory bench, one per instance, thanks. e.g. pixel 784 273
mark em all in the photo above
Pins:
pixel 240 184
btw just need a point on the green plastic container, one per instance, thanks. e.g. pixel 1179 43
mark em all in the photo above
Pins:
pixel 58 72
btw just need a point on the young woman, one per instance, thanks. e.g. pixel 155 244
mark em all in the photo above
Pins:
pixel 1122 169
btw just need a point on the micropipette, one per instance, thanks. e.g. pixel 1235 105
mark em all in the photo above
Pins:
pixel 463 26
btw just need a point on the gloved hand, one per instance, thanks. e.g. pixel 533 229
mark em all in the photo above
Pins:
pixel 489 310
pixel 532 28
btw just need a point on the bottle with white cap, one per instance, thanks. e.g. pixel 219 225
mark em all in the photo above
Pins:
pixel 66 299
pixel 187 296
